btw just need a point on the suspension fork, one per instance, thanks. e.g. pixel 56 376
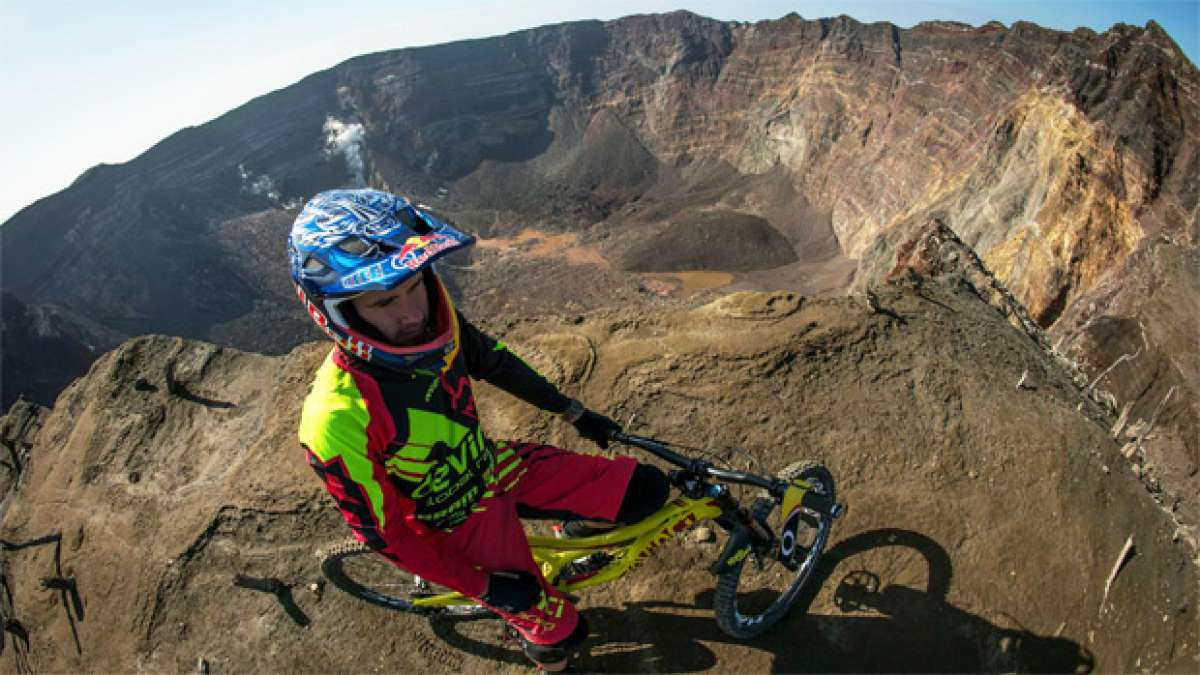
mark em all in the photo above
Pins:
pixel 748 533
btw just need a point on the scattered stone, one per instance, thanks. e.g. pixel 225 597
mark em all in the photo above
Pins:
pixel 1122 558
pixel 135 476
pixel 1122 420
pixel 202 666
pixel 1137 429
pixel 1188 534
pixel 878 308
pixel 1025 382
pixel 703 535
pixel 1105 399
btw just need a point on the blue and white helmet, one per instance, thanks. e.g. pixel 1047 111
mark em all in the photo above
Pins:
pixel 345 242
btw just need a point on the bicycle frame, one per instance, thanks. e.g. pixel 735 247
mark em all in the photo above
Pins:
pixel 678 515
pixel 630 546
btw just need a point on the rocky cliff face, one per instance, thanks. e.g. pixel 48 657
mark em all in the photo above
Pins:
pixel 986 521
pixel 1054 155
pixel 1143 371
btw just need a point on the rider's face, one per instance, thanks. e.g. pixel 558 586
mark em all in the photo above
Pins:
pixel 400 314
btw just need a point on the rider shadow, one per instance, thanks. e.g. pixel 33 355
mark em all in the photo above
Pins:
pixel 483 637
pixel 908 630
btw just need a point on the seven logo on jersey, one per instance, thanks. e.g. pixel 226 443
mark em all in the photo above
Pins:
pixel 443 466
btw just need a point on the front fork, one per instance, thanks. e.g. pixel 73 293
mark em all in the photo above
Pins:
pixel 746 533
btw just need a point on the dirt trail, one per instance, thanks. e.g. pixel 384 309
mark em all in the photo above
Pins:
pixel 984 518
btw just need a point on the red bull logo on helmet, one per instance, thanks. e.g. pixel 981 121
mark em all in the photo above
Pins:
pixel 416 244
pixel 411 257
pixel 418 250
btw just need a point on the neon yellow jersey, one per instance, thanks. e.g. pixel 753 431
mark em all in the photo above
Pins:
pixel 405 449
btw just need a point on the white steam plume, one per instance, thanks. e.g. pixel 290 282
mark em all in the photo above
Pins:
pixel 346 139
pixel 262 185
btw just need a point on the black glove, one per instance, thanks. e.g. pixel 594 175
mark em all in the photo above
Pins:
pixel 596 428
pixel 511 590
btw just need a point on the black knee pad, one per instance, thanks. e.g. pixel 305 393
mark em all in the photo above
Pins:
pixel 557 652
pixel 647 492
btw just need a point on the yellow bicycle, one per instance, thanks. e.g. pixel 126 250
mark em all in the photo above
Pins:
pixel 782 533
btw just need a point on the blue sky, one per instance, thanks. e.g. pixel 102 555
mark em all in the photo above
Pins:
pixel 91 82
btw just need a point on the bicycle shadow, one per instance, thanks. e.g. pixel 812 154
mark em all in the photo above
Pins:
pixel 908 630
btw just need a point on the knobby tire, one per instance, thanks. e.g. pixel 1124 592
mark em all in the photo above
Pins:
pixel 385 586
pixel 747 624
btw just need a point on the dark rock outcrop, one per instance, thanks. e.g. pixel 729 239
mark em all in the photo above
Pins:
pixel 43 348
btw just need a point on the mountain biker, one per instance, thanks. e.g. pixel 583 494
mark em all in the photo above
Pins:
pixel 391 427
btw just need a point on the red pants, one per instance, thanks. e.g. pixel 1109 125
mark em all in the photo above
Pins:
pixel 550 480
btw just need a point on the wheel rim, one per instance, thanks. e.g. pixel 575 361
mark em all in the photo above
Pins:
pixel 376 573
pixel 774 588
pixel 375 579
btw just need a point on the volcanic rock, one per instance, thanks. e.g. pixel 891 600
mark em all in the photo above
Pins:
pixel 983 526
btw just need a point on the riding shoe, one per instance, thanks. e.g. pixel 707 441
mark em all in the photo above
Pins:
pixel 574 529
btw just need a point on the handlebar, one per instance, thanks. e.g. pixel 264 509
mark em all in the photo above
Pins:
pixel 776 487
pixel 700 467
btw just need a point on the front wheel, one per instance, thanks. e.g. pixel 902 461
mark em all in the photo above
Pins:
pixel 759 590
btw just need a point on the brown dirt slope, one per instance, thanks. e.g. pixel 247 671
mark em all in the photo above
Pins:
pixel 984 519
